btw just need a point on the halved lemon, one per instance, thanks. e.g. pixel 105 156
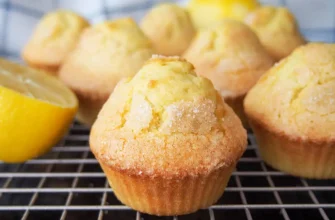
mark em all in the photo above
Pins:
pixel 35 112
pixel 206 12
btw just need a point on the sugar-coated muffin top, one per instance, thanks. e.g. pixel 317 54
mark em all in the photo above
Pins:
pixel 297 96
pixel 230 55
pixel 168 120
pixel 106 53
pixel 277 29
pixel 169 27
pixel 54 37
pixel 160 98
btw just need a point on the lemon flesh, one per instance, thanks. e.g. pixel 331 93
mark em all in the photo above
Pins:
pixel 35 112
pixel 207 12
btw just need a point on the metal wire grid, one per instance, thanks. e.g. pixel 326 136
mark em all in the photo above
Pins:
pixel 67 183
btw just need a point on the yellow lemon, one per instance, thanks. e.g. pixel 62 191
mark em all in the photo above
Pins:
pixel 35 112
pixel 206 12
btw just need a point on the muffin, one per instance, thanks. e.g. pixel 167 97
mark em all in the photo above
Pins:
pixel 169 28
pixel 166 141
pixel 207 12
pixel 55 36
pixel 292 112
pixel 231 56
pixel 277 30
pixel 105 54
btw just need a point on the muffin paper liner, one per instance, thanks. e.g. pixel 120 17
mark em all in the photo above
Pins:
pixel 297 157
pixel 168 196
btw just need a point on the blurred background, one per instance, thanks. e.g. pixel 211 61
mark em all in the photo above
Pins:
pixel 18 17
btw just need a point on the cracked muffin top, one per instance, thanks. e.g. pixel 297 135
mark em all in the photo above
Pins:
pixel 277 29
pixel 167 120
pixel 55 36
pixel 106 53
pixel 297 96
pixel 169 27
pixel 229 54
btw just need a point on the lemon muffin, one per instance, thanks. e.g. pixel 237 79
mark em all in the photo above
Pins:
pixel 106 53
pixel 166 141
pixel 169 27
pixel 207 12
pixel 277 29
pixel 231 56
pixel 292 112
pixel 53 39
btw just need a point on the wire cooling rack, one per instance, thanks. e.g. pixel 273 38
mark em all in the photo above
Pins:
pixel 67 183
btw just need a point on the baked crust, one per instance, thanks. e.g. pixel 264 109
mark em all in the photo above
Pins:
pixel 169 27
pixel 170 156
pixel 230 55
pixel 166 140
pixel 277 29
pixel 296 96
pixel 53 39
pixel 292 112
pixel 105 54
pixel 140 131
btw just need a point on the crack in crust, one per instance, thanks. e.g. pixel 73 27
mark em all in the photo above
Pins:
pixel 152 125
pixel 169 28
pixel 230 55
pixel 277 29
pixel 106 53
pixel 298 95
pixel 54 37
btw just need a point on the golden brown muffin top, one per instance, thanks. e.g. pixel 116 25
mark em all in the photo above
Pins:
pixel 169 27
pixel 230 55
pixel 54 37
pixel 277 29
pixel 105 54
pixel 297 96
pixel 167 121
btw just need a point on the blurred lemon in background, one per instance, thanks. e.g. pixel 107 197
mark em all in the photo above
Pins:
pixel 205 12
pixel 35 112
